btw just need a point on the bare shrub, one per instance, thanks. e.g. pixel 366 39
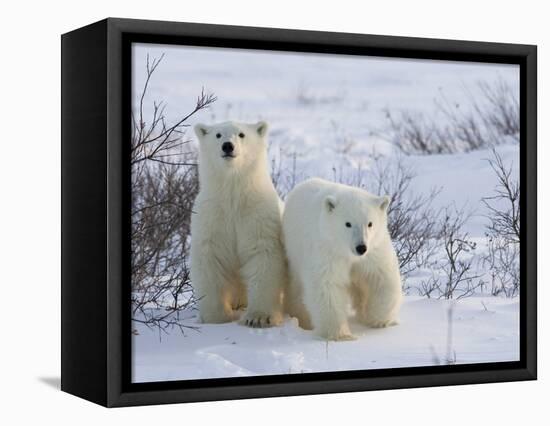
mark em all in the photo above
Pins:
pixel 503 231
pixel 284 172
pixel 430 287
pixel 489 117
pixel 464 130
pixel 414 133
pixel 161 214
pixel 501 110
pixel 502 260
pixel 453 276
pixel 164 186
pixel 503 207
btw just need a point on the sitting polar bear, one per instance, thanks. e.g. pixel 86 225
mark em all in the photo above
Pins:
pixel 339 251
pixel 237 257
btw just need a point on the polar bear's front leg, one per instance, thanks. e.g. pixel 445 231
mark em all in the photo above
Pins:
pixel 382 299
pixel 264 273
pixel 213 289
pixel 327 301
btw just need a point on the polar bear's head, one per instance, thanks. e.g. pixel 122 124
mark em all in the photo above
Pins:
pixel 354 221
pixel 231 145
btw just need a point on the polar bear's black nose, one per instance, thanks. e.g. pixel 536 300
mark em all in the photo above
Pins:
pixel 361 249
pixel 227 147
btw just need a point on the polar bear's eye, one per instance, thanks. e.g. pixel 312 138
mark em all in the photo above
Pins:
pixel 370 225
pixel 348 225
pixel 241 135
pixel 218 135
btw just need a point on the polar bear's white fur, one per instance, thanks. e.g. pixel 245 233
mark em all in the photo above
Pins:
pixel 327 227
pixel 237 257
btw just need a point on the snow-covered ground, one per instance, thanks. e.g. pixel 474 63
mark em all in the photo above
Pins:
pixel 327 118
pixel 484 329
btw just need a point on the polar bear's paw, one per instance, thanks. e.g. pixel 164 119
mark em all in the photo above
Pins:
pixel 260 320
pixel 344 337
pixel 341 335
pixel 381 323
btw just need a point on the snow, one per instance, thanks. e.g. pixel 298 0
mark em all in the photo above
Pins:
pixel 327 113
pixel 484 329
pixel 463 179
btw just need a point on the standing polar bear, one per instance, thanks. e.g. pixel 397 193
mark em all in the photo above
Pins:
pixel 237 257
pixel 339 252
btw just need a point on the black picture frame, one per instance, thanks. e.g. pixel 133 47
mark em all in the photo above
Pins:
pixel 95 204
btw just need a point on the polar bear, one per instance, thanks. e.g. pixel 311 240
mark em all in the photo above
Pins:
pixel 339 253
pixel 237 257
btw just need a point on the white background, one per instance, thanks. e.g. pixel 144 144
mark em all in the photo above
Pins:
pixel 30 211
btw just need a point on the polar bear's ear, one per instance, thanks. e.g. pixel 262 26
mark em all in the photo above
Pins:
pixel 201 130
pixel 261 128
pixel 330 203
pixel 384 202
